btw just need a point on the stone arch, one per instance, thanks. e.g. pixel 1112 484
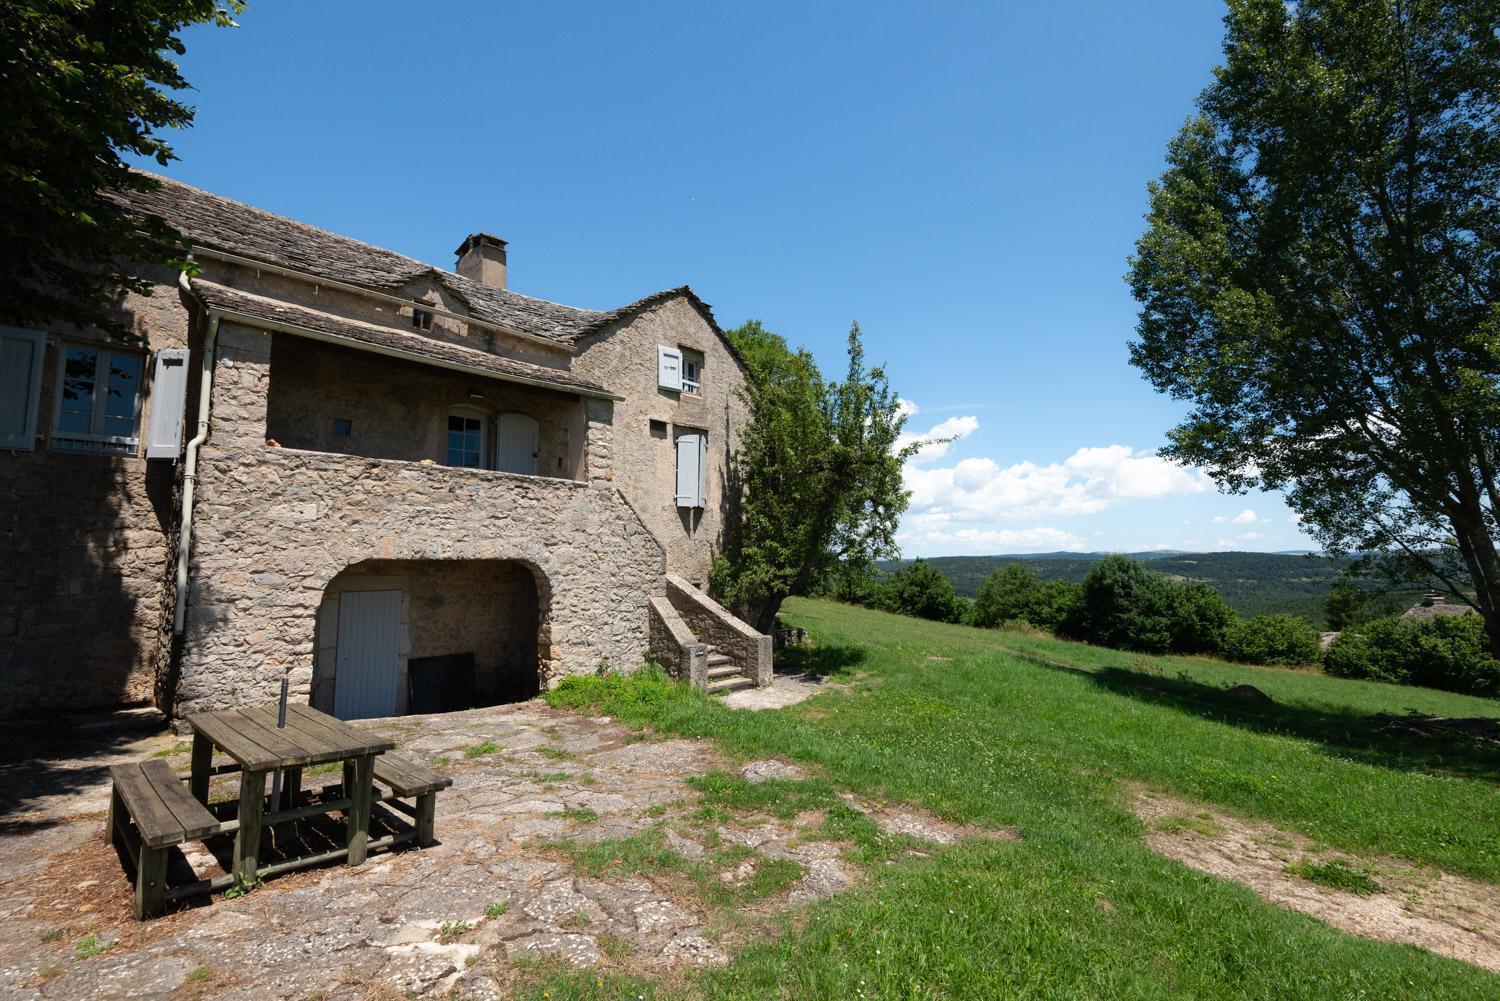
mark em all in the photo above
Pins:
pixel 469 632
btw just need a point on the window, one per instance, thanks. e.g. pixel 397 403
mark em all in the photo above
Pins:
pixel 21 353
pixel 465 439
pixel 342 427
pixel 98 400
pixel 668 367
pixel 691 367
pixel 658 429
pixel 421 319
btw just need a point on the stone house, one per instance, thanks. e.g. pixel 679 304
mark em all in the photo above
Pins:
pixel 406 488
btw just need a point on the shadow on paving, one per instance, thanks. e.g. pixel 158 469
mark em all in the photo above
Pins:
pixel 1405 743
pixel 49 762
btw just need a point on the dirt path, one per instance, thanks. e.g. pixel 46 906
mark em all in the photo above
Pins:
pixel 1381 898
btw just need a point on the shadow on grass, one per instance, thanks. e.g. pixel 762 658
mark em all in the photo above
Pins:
pixel 818 661
pixel 1407 743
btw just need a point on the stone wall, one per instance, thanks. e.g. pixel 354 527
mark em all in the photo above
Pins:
pixel 274 526
pixel 713 624
pixel 624 358
pixel 85 541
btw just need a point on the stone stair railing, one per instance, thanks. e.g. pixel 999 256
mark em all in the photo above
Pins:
pixel 699 641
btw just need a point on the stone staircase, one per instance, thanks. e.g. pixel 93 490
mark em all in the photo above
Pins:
pixel 723 675
pixel 699 641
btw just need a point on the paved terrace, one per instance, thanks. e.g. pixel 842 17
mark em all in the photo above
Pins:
pixel 498 899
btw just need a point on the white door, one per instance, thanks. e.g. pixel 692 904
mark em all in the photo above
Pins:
pixel 369 655
pixel 516 443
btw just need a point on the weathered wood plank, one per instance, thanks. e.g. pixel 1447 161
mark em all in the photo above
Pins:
pixel 408 777
pixel 153 818
pixel 247 838
pixel 282 743
pixel 356 740
pixel 192 816
pixel 225 736
pixel 358 817
pixel 203 763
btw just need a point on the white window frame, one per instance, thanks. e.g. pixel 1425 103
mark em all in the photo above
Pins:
pixel 691 373
pixel 25 438
pixel 95 440
pixel 469 413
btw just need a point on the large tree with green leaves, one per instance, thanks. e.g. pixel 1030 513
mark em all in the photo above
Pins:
pixel 815 484
pixel 83 82
pixel 1320 276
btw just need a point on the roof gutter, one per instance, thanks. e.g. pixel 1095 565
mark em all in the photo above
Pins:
pixel 190 465
pixel 309 277
pixel 251 320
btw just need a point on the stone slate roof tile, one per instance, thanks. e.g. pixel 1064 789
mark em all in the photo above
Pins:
pixel 216 296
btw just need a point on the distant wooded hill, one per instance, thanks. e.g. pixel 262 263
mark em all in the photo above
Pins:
pixel 1251 583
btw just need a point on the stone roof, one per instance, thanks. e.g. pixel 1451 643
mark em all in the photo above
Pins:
pixel 219 223
pixel 387 340
pixel 1434 606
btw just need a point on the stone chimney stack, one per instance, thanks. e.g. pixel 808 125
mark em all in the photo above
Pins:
pixel 482 258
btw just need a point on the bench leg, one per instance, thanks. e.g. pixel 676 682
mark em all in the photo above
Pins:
pixel 292 783
pixel 358 818
pixel 116 816
pixel 426 809
pixel 203 761
pixel 247 840
pixel 150 882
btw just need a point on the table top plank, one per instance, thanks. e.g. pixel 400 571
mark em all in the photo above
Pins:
pixel 303 734
pixel 285 745
pixel 356 738
pixel 224 735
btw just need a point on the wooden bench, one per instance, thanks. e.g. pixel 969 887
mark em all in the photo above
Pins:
pixel 410 779
pixel 150 810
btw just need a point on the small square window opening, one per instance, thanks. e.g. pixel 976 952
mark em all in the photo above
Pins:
pixel 421 319
pixel 691 370
pixel 342 427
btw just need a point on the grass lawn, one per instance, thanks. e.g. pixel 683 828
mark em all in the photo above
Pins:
pixel 997 728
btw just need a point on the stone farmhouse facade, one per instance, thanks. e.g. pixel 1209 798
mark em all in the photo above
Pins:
pixel 403 487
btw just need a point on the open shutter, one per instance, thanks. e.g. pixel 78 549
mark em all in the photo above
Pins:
pixel 668 367
pixel 689 470
pixel 168 397
pixel 21 353
pixel 702 471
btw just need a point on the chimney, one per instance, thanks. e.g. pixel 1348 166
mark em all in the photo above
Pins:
pixel 482 259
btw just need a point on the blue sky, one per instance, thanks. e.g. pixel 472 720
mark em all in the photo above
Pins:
pixel 965 180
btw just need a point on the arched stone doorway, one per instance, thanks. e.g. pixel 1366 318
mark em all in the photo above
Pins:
pixel 396 637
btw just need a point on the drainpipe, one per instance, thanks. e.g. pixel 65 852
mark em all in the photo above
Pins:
pixel 190 469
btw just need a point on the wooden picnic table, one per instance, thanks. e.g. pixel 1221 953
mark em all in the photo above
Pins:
pixel 259 747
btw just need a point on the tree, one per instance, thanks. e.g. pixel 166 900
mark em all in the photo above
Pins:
pixel 1345 606
pixel 84 82
pixel 919 590
pixel 1125 604
pixel 816 480
pixel 1320 273
pixel 1005 596
pixel 1272 639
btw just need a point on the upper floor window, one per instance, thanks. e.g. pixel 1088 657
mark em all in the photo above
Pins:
pixel 692 372
pixel 98 400
pixel 421 319
pixel 465 439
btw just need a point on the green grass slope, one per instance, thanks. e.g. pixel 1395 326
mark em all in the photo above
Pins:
pixel 999 728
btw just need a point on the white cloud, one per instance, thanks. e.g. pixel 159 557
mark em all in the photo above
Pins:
pixel 906 408
pixel 954 429
pixel 1242 537
pixel 1294 518
pixel 1088 481
pixel 933 538
pixel 1247 517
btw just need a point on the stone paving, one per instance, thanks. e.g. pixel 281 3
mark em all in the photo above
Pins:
pixel 463 918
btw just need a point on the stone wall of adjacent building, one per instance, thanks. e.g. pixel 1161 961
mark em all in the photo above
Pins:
pixel 85 541
pixel 624 358
pixel 275 526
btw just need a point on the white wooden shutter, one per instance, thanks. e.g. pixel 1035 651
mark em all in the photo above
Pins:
pixel 21 353
pixel 702 471
pixel 668 367
pixel 689 470
pixel 168 397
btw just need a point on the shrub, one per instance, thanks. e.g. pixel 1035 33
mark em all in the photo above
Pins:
pixel 918 590
pixel 1200 619
pixel 1272 639
pixel 1448 652
pixel 1014 593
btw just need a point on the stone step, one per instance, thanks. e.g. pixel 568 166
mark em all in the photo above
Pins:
pixel 716 659
pixel 722 671
pixel 730 685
